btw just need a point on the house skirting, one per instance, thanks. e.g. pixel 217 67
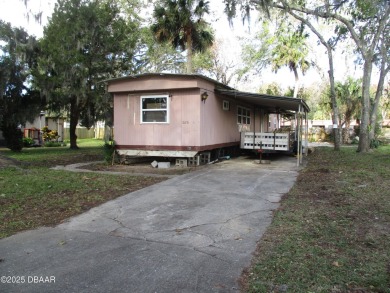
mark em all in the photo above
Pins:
pixel 169 151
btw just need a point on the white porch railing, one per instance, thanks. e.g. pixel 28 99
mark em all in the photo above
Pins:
pixel 265 141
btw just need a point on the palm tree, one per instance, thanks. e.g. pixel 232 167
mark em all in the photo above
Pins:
pixel 349 95
pixel 291 50
pixel 181 23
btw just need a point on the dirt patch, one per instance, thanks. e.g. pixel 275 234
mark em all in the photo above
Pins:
pixel 8 162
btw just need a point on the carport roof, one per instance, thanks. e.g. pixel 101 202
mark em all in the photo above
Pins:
pixel 273 104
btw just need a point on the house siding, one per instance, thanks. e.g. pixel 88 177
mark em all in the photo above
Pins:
pixel 217 125
pixel 194 125
pixel 152 83
pixel 182 129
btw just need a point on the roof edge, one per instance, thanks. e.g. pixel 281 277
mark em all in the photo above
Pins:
pixel 264 96
pixel 195 75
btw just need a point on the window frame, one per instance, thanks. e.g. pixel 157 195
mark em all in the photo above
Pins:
pixel 142 110
pixel 243 115
pixel 225 105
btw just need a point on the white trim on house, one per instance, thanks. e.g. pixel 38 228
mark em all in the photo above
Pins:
pixel 154 108
pixel 243 115
pixel 163 153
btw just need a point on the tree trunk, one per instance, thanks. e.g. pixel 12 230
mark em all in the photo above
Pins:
pixel 296 87
pixel 378 95
pixel 335 109
pixel 74 119
pixel 364 142
pixel 107 133
pixel 189 53
pixel 346 130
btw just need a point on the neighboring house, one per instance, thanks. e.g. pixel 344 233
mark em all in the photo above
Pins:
pixel 32 130
pixel 180 115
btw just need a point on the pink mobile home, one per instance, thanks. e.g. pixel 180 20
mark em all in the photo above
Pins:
pixel 178 115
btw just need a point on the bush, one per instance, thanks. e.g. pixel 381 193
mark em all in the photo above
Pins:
pixel 355 140
pixel 374 143
pixel 13 138
pixel 49 135
pixel 50 144
pixel 28 142
pixel 109 149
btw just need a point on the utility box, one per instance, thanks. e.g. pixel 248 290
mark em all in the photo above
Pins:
pixel 164 165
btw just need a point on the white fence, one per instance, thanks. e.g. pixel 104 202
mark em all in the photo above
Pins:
pixel 265 141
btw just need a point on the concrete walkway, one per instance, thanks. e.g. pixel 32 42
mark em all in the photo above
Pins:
pixel 192 233
pixel 78 169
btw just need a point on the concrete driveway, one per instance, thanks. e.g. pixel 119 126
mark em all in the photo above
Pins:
pixel 192 233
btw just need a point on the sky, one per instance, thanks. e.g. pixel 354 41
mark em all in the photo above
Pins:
pixel 15 11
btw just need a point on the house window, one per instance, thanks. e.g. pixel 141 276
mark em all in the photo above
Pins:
pixel 243 115
pixel 225 105
pixel 154 109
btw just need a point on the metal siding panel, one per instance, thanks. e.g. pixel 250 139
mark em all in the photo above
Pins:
pixel 218 126
pixel 151 84
pixel 129 131
pixel 190 122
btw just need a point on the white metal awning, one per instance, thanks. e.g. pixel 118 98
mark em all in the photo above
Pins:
pixel 273 104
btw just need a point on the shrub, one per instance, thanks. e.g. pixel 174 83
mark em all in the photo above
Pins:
pixel 49 135
pixel 109 149
pixel 52 144
pixel 28 142
pixel 375 143
pixel 355 140
pixel 13 138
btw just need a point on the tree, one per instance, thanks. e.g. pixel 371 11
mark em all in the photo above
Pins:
pixel 291 50
pixel 215 63
pixel 257 52
pixel 152 56
pixel 284 46
pixel 84 43
pixel 385 102
pixel 19 103
pixel 271 89
pixel 264 56
pixel 364 22
pixel 368 27
pixel 383 60
pixel 36 15
pixel 349 98
pixel 181 23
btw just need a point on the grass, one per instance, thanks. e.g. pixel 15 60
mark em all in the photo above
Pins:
pixel 90 150
pixel 32 195
pixel 332 230
pixel 330 234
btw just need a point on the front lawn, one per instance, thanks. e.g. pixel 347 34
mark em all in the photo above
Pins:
pixel 32 195
pixel 332 230
pixel 90 150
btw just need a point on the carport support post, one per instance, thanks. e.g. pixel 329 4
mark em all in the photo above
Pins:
pixel 306 135
pixel 301 138
pixel 254 127
pixel 298 133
